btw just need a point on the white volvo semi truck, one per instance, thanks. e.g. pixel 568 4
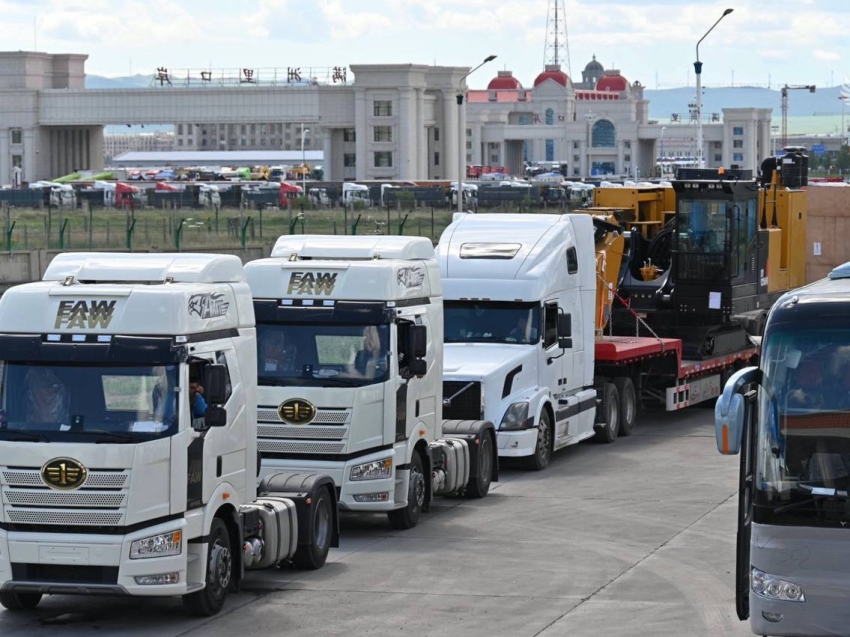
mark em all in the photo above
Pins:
pixel 117 475
pixel 519 296
pixel 350 355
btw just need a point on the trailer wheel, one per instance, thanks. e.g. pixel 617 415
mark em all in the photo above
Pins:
pixel 210 600
pixel 607 432
pixel 628 404
pixel 19 601
pixel 314 555
pixel 408 517
pixel 478 486
pixel 539 460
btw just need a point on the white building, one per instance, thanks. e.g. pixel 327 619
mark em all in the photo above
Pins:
pixel 114 145
pixel 394 121
pixel 603 122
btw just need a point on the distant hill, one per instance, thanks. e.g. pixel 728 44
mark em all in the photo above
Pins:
pixel 662 102
pixel 801 103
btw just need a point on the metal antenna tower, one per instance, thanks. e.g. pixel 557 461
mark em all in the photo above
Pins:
pixel 557 43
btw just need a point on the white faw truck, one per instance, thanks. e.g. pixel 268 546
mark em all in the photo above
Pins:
pixel 519 297
pixel 350 355
pixel 116 478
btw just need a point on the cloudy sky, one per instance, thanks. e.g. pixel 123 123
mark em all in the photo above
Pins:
pixel 782 41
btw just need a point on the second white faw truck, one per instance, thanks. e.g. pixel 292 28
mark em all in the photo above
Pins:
pixel 128 461
pixel 350 367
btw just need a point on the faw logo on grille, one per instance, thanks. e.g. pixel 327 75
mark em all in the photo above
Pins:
pixel 64 473
pixel 207 306
pixel 296 411
pixel 312 283
pixel 84 314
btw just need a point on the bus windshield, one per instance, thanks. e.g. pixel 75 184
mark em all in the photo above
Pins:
pixel 491 322
pixel 59 402
pixel 803 449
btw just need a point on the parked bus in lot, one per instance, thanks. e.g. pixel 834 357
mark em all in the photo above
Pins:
pixel 789 419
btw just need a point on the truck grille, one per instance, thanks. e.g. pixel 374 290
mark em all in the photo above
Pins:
pixel 308 431
pixel 100 501
pixel 466 405
pixel 323 416
pixel 77 518
pixel 82 499
pixel 285 446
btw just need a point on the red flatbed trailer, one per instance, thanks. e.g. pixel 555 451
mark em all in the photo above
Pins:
pixel 659 372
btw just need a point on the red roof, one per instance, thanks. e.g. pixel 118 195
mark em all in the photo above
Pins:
pixel 612 83
pixel 504 80
pixel 556 75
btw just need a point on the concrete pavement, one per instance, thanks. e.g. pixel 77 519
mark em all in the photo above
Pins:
pixel 635 538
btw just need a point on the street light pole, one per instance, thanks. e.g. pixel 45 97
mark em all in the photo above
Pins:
pixel 461 134
pixel 304 131
pixel 698 71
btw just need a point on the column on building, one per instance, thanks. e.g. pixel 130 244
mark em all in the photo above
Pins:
pixel 421 137
pixel 406 167
pixel 449 136
pixel 30 157
pixel 361 133
pixel 5 158
pixel 328 158
pixel 476 145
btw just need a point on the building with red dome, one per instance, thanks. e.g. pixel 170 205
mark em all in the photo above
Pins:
pixel 598 126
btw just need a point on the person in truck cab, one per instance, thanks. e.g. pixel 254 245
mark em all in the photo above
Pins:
pixel 370 361
pixel 275 354
pixel 197 402
pixel 47 398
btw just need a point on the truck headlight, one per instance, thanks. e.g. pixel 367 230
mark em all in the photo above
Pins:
pixel 771 587
pixel 162 545
pixel 516 417
pixel 374 470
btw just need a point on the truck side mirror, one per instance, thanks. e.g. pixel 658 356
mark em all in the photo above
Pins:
pixel 418 341
pixel 565 331
pixel 215 417
pixel 418 367
pixel 215 384
pixel 731 410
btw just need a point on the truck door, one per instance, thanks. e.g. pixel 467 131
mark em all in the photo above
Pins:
pixel 556 368
pixel 746 490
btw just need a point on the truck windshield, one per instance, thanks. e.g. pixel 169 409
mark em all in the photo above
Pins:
pixel 87 403
pixel 803 450
pixel 491 322
pixel 322 354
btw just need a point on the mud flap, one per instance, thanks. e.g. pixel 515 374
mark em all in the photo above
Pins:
pixel 472 431
pixel 302 489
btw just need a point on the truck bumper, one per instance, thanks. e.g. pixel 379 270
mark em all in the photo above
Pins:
pixel 89 564
pixel 347 491
pixel 515 444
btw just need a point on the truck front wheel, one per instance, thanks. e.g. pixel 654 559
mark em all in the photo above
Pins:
pixel 19 601
pixel 210 600
pixel 408 517
pixel 313 556
pixel 539 460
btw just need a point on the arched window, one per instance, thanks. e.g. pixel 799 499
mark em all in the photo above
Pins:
pixel 550 150
pixel 604 134
pixel 550 117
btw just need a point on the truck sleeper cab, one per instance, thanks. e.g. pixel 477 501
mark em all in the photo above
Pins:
pixel 118 477
pixel 350 334
pixel 789 419
pixel 519 299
